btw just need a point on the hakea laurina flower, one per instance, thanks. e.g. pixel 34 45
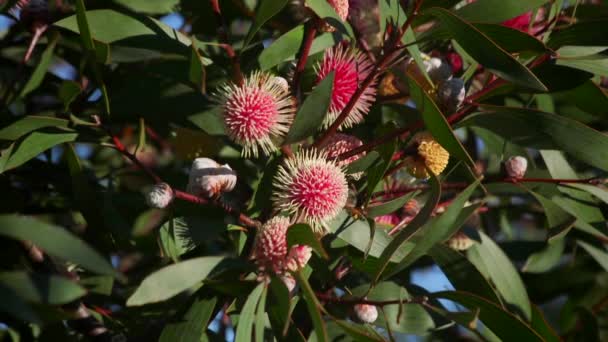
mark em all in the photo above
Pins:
pixel 429 154
pixel 340 143
pixel 159 196
pixel 256 112
pixel 311 187
pixel 366 313
pixel 350 67
pixel 298 257
pixel 460 241
pixel 516 167
pixel 208 178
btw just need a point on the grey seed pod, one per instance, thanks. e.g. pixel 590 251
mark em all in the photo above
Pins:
pixel 451 94
pixel 366 313
pixel 439 71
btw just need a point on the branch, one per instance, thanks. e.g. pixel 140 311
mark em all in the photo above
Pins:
pixel 237 74
pixel 353 300
pixel 309 37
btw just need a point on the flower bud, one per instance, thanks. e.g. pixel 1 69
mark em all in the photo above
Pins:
pixel 289 282
pixel 281 82
pixel 298 257
pixel 160 196
pixel 208 178
pixel 411 208
pixel 389 220
pixel 366 313
pixel 451 94
pixel 460 242
pixel 270 245
pixel 516 167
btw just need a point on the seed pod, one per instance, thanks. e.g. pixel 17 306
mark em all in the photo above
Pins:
pixel 516 167
pixel 460 242
pixel 438 70
pixel 451 94
pixel 366 313
pixel 208 178
pixel 160 196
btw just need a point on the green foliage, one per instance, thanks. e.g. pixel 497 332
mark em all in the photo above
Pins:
pixel 115 97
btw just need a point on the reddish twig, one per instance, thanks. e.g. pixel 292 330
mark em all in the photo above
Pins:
pixel 353 301
pixel 237 74
pixel 309 37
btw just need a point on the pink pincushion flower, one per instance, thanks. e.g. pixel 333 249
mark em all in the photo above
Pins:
pixel 270 246
pixel 340 143
pixel 256 112
pixel 311 187
pixel 350 68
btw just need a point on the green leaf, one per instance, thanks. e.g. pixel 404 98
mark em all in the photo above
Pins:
pixel 149 6
pixel 196 72
pixel 600 255
pixel 376 173
pixel 41 288
pixel 491 261
pixel 363 163
pixel 506 326
pixel 390 206
pixel 406 233
pixel 590 98
pixel 497 11
pixel 355 232
pixel 83 26
pixel 266 10
pixel 191 326
pixel 359 333
pixel 260 317
pixel 55 241
pixel 560 221
pixel 584 33
pixel 542 327
pixel 282 49
pixel 325 11
pixel 35 144
pixel 302 234
pixel 244 327
pixel 510 39
pixel 30 123
pixel 436 123
pixel 314 308
pixel 209 121
pixel 487 52
pixel 462 273
pixel 547 258
pixel 12 304
pixel 68 91
pixel 538 129
pixel 312 112
pixel 439 228
pixel 404 318
pixel 597 65
pixel 41 68
pixel 171 280
pixel 98 284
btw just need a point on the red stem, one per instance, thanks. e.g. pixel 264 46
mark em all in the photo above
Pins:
pixel 311 31
pixel 237 74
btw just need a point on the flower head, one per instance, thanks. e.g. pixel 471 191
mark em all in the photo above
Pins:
pixel 208 178
pixel 429 155
pixel 366 313
pixel 340 143
pixel 350 68
pixel 256 112
pixel 516 167
pixel 270 246
pixel 160 196
pixel 311 187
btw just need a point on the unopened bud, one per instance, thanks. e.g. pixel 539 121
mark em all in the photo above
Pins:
pixel 160 196
pixel 289 282
pixel 208 178
pixel 366 313
pixel 460 242
pixel 411 208
pixel 451 94
pixel 516 167
pixel 298 257
pixel 281 82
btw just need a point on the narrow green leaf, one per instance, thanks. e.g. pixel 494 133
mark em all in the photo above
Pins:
pixel 312 112
pixel 390 206
pixel 497 11
pixel 266 10
pixel 171 280
pixel 191 326
pixel 196 71
pixel 42 288
pixel 12 304
pixel 282 49
pixel 55 241
pixel 314 308
pixel 209 121
pixel 504 324
pixel 35 144
pixel 560 221
pixel 260 317
pixel 83 26
pixel 246 318
pixel 601 256
pixel 325 11
pixel 491 261
pixel 363 163
pixel 406 233
pixel 30 123
pixel 542 327
pixel 585 33
pixel 358 332
pixel 487 52
pixel 98 284
pixel 150 6
pixel 547 258
pixel 302 234
pixel 41 68
pixel 68 91
pixel 597 65
pixel 376 173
